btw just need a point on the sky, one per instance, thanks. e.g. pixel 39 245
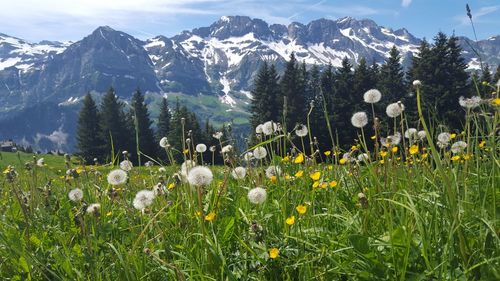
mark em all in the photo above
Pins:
pixel 71 20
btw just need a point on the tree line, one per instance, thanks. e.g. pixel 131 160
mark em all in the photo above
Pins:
pixel 335 94
pixel 114 127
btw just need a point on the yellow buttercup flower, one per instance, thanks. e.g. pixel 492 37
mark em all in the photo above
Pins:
pixel 315 176
pixel 381 161
pixel 299 159
pixel 333 183
pixel 324 185
pixel 274 253
pixel 210 216
pixel 482 144
pixel 315 184
pixel 330 167
pixel 467 156
pixel 383 153
pixel 373 137
pixel 290 220
pixel 299 174
pixel 301 209
pixel 327 153
pixel 171 186
pixel 354 147
pixel 342 161
pixel 496 101
pixel 455 158
pixel 452 136
pixel 186 151
pixel 285 159
pixel 413 149
pixel 394 149
pixel 273 179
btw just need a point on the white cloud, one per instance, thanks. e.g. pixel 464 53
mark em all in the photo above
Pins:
pixel 406 3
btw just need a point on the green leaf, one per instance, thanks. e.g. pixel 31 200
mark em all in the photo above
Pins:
pixel 360 243
pixel 228 232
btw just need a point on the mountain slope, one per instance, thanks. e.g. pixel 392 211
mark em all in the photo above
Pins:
pixel 214 65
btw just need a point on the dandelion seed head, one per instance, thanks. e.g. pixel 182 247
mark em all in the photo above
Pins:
pixel 257 195
pixel 200 176
pixel 372 96
pixel 159 189
pixel 239 173
pixel 417 83
pixel 458 146
pixel 40 162
pixel 269 128
pixel 93 208
pixel 359 119
pixel 363 157
pixel 200 148
pixel 273 171
pixel 164 142
pixel 75 195
pixel 444 138
pixel 421 135
pixel 258 129
pixel 126 165
pixel 212 148
pixel 143 199
pixel 162 170
pixel 260 152
pixel 470 103
pixel 227 149
pixel 301 130
pixel 218 135
pixel 248 156
pixel 394 110
pixel 117 177
pixel 411 133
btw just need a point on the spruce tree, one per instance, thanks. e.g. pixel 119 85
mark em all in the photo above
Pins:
pixel 145 139
pixel 362 81
pixel 392 83
pixel 163 120
pixel 114 130
pixel 265 105
pixel 293 92
pixel 89 142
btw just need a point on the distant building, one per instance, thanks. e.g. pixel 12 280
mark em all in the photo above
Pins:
pixel 7 146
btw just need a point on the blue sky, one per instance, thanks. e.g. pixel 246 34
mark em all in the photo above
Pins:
pixel 63 20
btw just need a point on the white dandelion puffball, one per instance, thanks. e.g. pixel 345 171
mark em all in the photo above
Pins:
pixel 258 129
pixel 444 138
pixel 200 176
pixel 470 103
pixel 260 152
pixel 227 149
pixel 75 195
pixel 187 165
pixel 212 148
pixel 269 128
pixel 217 135
pixel 257 195
pixel 40 162
pixel 143 199
pixel 126 165
pixel 162 170
pixel 301 131
pixel 117 177
pixel 363 157
pixel 248 156
pixel 459 146
pixel 273 171
pixel 359 119
pixel 394 110
pixel 93 208
pixel 159 189
pixel 372 96
pixel 421 135
pixel 411 133
pixel 164 142
pixel 200 148
pixel 442 144
pixel 417 83
pixel 239 173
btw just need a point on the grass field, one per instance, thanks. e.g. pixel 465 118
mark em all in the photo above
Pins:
pixel 411 211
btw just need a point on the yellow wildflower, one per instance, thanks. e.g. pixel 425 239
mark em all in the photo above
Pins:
pixel 452 136
pixel 383 153
pixel 381 161
pixel 301 209
pixel 273 179
pixel 299 159
pixel 373 137
pixel 315 176
pixel 109 214
pixel 285 159
pixel 171 186
pixel 299 174
pixel 455 158
pixel 324 185
pixel 394 149
pixel 354 147
pixel 210 216
pixel 330 167
pixel 327 153
pixel 496 101
pixel 315 184
pixel 482 144
pixel 342 161
pixel 333 183
pixel 274 253
pixel 467 156
pixel 413 149
pixel 290 220
pixel 186 151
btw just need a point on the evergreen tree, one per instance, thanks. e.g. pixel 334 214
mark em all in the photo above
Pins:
pixel 362 81
pixel 291 85
pixel 392 83
pixel 343 104
pixel 163 120
pixel 265 104
pixel 317 118
pixel 326 102
pixel 142 125
pixel 89 143
pixel 486 78
pixel 113 129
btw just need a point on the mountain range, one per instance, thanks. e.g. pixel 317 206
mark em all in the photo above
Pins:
pixel 211 69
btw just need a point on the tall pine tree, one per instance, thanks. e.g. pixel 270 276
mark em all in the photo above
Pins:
pixel 89 142
pixel 145 139
pixel 292 89
pixel 163 120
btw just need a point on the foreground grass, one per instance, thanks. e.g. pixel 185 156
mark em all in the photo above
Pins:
pixel 409 212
